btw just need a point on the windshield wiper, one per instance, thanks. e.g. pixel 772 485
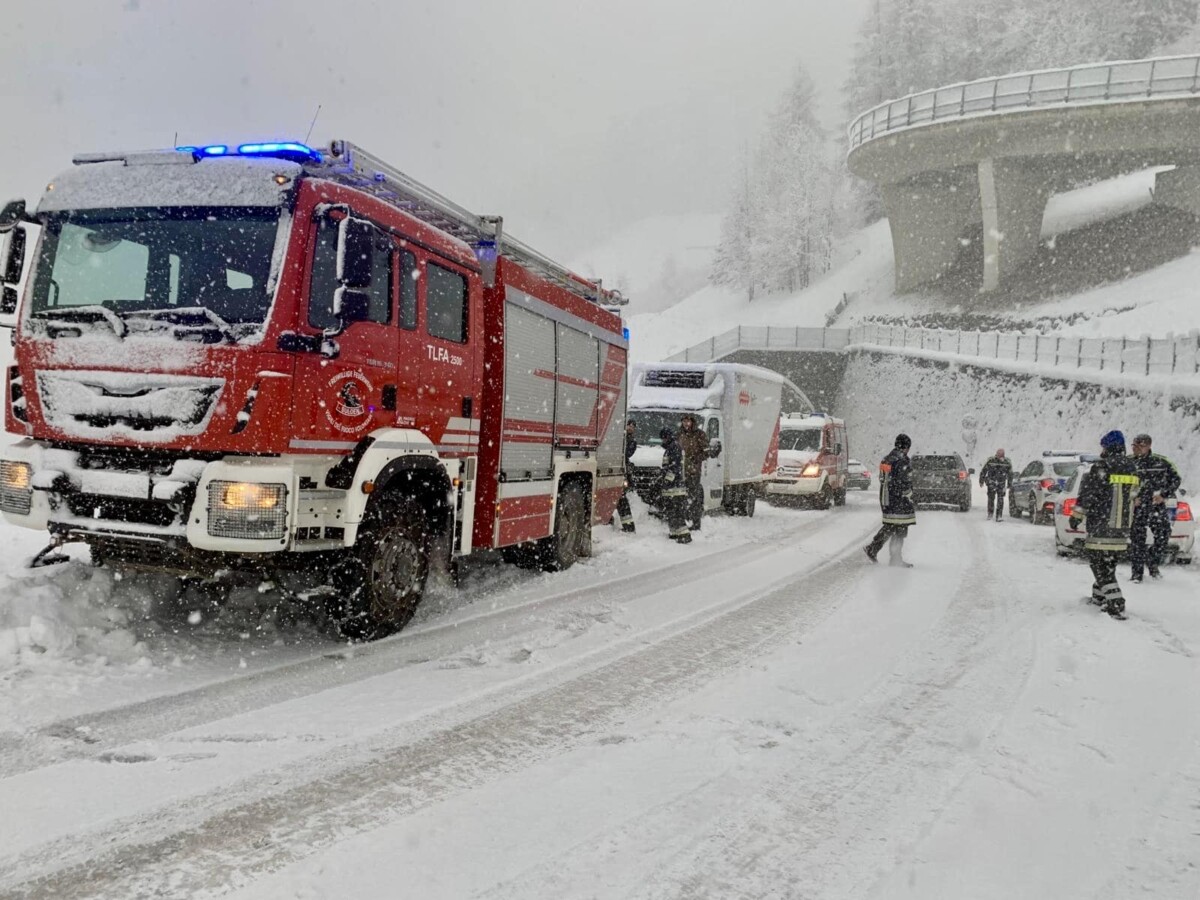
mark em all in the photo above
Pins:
pixel 87 314
pixel 187 315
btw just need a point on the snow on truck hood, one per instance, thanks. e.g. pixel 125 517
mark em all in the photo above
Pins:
pixel 797 457
pixel 647 457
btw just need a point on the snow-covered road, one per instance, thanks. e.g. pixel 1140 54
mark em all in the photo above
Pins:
pixel 761 714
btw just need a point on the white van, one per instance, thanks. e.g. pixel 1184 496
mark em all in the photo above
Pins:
pixel 738 406
pixel 814 461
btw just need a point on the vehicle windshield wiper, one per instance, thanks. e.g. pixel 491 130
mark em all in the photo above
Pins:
pixel 87 314
pixel 188 316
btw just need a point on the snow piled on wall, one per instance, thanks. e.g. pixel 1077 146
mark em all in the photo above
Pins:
pixel 884 394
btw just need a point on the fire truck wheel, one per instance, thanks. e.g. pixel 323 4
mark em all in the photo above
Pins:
pixel 380 586
pixel 561 549
pixel 839 497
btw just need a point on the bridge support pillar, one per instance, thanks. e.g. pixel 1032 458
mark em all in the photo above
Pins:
pixel 928 216
pixel 1013 195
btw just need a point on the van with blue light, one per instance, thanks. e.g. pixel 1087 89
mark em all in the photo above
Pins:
pixel 265 360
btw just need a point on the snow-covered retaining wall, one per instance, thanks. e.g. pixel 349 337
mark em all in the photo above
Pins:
pixel 929 397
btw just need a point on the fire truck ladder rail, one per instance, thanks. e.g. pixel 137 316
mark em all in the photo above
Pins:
pixel 352 165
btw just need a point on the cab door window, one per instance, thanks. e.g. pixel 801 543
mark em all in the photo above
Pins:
pixel 407 274
pixel 324 281
pixel 445 304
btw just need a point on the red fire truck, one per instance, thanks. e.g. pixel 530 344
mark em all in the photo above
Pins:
pixel 267 358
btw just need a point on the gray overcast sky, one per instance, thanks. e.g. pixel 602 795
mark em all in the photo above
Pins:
pixel 571 118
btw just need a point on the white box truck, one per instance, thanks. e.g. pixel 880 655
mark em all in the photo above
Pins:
pixel 739 408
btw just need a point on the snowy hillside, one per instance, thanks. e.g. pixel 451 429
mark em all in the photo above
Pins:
pixel 1157 301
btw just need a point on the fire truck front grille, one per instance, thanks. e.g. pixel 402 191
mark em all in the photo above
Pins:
pixel 120 509
pixel 93 404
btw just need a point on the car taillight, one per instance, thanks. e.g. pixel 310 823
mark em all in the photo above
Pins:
pixel 1067 507
pixel 1046 483
pixel 1183 512
pixel 962 475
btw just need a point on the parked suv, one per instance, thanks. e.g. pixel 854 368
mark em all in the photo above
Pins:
pixel 941 478
pixel 1038 486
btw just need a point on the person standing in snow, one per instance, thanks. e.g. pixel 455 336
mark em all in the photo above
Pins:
pixel 673 496
pixel 1105 504
pixel 694 444
pixel 997 474
pixel 896 501
pixel 623 510
pixel 1159 482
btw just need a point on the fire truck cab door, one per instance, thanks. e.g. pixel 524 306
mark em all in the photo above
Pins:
pixel 449 321
pixel 346 396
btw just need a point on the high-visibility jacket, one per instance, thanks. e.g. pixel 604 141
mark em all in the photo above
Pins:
pixel 1106 501
pixel 895 489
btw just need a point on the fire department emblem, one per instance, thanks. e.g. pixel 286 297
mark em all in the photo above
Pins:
pixel 345 401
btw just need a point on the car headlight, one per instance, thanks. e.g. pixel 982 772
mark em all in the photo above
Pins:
pixel 16 486
pixel 243 509
pixel 812 470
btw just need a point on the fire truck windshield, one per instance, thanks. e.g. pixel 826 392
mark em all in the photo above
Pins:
pixel 208 268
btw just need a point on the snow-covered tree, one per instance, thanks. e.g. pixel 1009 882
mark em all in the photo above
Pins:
pixel 778 233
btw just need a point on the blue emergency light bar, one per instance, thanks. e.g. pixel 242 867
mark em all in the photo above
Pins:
pixel 289 150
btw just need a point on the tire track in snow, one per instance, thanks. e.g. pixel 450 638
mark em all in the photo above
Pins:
pixel 92 734
pixel 229 848
pixel 831 828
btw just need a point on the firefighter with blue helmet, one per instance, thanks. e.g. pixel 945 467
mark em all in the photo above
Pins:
pixel 1105 504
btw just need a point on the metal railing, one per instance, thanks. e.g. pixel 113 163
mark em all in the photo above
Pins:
pixel 1140 79
pixel 1174 355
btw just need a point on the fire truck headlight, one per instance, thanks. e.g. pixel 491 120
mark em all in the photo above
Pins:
pixel 812 470
pixel 16 492
pixel 242 509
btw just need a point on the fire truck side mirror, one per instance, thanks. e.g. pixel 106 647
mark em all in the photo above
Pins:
pixel 351 305
pixel 12 215
pixel 12 264
pixel 356 245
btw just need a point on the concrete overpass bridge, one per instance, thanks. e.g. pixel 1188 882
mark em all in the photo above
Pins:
pixel 991 152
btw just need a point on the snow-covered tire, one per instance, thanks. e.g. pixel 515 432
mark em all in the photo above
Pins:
pixel 380 584
pixel 560 551
pixel 839 497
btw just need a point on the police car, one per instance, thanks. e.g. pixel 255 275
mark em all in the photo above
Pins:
pixel 1038 486
pixel 1068 541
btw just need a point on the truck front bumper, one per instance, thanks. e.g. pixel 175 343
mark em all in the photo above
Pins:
pixel 228 506
pixel 795 487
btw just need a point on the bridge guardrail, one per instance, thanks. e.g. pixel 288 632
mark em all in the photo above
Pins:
pixel 1084 84
pixel 1175 355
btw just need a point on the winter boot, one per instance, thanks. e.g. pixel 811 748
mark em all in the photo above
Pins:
pixel 1155 573
pixel 896 554
pixel 870 553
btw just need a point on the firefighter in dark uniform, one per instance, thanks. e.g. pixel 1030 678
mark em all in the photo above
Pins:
pixel 997 475
pixel 896 501
pixel 1105 504
pixel 673 496
pixel 694 444
pixel 1159 482
pixel 623 510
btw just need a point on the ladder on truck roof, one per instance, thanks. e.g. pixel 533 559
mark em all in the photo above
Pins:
pixel 351 165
